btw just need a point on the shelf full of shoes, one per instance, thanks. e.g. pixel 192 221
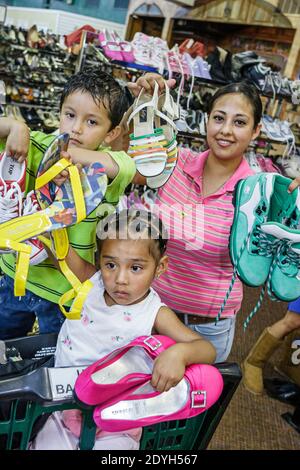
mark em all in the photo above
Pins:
pixel 106 50
pixel 279 138
pixel 197 78
pixel 125 61
pixel 128 60
pixel 34 66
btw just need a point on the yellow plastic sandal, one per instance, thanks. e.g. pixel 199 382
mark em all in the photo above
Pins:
pixel 74 200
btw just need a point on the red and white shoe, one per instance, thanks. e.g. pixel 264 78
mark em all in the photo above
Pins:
pixel 12 187
pixel 38 252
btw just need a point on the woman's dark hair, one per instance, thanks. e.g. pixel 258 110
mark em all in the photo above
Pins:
pixel 104 89
pixel 244 88
pixel 134 224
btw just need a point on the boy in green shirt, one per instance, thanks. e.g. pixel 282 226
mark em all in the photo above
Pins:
pixel 92 106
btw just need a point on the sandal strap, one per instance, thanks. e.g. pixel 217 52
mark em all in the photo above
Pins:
pixel 151 103
pixel 149 146
pixel 156 157
pixel 57 168
pixel 52 172
pixel 77 193
pixel 79 297
pixel 167 119
pixel 157 132
pixel 147 140
pixel 22 263
pixel 80 290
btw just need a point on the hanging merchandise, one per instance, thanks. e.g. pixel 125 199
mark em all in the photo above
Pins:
pixel 265 238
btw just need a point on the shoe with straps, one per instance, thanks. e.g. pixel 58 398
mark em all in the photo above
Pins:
pixel 121 371
pixel 199 389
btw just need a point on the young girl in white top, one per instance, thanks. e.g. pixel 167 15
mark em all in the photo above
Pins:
pixel 120 307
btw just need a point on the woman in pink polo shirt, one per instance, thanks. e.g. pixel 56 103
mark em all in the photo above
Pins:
pixel 196 206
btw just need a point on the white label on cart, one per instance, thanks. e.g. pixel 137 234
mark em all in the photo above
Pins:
pixel 62 380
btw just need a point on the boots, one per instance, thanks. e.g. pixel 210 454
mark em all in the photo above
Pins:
pixel 290 363
pixel 255 361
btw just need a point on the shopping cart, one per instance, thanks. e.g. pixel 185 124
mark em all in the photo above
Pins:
pixel 29 398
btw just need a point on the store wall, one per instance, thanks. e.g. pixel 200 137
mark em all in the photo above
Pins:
pixel 59 22
pixel 109 10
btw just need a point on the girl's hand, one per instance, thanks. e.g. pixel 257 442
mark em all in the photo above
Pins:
pixel 17 142
pixel 168 369
pixel 294 184
pixel 60 179
pixel 147 82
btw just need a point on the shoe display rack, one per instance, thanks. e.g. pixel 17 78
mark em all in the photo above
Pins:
pixel 34 67
pixel 194 91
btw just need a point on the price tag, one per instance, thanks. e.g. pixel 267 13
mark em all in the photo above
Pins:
pixel 62 380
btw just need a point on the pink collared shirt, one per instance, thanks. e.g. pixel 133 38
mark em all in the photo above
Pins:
pixel 200 269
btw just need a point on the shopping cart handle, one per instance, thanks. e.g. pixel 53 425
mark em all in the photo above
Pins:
pixel 43 384
pixel 33 386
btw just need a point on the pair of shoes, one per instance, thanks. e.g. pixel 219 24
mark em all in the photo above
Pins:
pixel 13 202
pixel 265 237
pixel 149 50
pixel 119 384
pixel 191 47
pixel 126 48
pixel 110 45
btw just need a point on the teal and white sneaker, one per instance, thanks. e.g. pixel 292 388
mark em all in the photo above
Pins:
pixel 284 277
pixel 250 251
pixel 285 207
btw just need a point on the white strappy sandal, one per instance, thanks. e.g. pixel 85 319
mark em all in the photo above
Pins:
pixel 147 143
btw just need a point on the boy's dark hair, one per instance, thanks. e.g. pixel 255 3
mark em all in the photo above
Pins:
pixel 103 88
pixel 135 224
pixel 244 88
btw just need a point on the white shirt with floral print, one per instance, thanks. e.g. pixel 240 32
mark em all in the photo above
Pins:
pixel 103 328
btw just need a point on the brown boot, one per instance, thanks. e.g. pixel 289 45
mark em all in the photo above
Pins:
pixel 290 363
pixel 256 359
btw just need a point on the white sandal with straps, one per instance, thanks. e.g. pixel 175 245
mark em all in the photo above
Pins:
pixel 166 113
pixel 147 143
